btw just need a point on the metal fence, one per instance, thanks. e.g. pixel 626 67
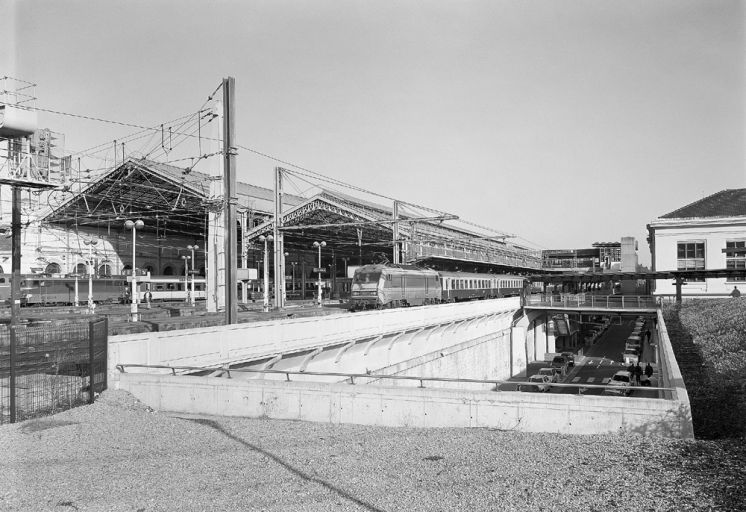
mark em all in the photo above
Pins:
pixel 589 301
pixel 48 367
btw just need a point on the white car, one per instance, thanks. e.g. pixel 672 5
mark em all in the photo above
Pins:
pixel 552 373
pixel 620 384
pixel 536 383
pixel 630 356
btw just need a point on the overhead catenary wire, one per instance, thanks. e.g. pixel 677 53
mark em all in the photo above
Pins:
pixel 196 132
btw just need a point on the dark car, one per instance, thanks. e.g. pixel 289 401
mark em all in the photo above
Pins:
pixel 570 357
pixel 561 363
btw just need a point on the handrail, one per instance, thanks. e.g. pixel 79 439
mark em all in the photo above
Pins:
pixel 353 376
pixel 589 301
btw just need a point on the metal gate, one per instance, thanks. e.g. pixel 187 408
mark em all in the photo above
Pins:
pixel 48 367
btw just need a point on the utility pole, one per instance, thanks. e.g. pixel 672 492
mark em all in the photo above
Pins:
pixel 229 183
pixel 395 229
pixel 279 246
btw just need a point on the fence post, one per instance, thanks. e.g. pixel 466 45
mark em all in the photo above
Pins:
pixel 13 342
pixel 622 301
pixel 91 358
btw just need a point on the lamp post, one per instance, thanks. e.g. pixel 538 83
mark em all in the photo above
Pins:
pixel 284 284
pixel 76 300
pixel 90 243
pixel 266 239
pixel 134 226
pixel 293 263
pixel 192 248
pixel 319 245
pixel 346 260
pixel 186 277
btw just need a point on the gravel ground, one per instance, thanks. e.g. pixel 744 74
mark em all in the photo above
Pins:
pixel 119 455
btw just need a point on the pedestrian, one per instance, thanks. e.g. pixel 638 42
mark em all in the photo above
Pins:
pixel 631 369
pixel 648 370
pixel 647 335
pixel 735 293
pixel 638 373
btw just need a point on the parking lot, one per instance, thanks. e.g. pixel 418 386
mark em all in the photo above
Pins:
pixel 597 364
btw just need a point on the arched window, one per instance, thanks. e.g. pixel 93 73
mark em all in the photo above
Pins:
pixel 52 268
pixel 81 268
pixel 168 271
pixel 104 270
pixel 149 268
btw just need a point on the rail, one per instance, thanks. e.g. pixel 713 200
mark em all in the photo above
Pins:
pixel 352 376
pixel 589 301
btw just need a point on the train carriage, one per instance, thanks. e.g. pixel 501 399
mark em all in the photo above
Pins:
pixel 392 286
pixel 389 286
pixel 461 286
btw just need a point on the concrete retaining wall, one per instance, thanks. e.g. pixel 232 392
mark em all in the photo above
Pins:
pixel 409 407
pixel 218 345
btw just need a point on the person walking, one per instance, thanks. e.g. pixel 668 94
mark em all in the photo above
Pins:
pixel 648 370
pixel 735 293
pixel 637 373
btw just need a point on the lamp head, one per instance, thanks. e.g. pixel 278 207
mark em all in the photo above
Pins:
pixel 193 247
pixel 323 244
pixel 262 238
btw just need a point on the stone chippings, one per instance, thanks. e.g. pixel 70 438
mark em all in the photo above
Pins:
pixel 119 455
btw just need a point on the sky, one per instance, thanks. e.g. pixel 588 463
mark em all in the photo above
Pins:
pixel 564 122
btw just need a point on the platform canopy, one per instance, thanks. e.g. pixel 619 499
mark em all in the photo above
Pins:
pixel 176 201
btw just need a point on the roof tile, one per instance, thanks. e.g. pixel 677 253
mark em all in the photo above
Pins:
pixel 726 203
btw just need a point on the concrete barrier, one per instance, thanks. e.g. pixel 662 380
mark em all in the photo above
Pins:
pixel 409 407
pixel 213 346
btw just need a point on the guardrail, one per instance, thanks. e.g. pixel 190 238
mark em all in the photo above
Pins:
pixel 185 370
pixel 583 300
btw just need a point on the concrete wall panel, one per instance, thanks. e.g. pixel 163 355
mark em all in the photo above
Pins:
pixel 406 406
pixel 213 346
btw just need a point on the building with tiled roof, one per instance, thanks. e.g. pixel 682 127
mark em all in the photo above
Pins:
pixel 707 234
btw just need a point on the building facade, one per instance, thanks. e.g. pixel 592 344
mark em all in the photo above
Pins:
pixel 709 234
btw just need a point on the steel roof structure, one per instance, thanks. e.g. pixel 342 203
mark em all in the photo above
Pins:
pixel 176 201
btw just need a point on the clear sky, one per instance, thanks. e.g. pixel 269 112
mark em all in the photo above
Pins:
pixel 563 121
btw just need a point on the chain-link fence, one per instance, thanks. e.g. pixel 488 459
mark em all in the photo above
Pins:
pixel 47 367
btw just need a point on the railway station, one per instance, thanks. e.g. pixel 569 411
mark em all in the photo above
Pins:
pixel 175 207
pixel 151 228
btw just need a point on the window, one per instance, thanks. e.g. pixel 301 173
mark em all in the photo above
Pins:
pixel 735 257
pixel 690 256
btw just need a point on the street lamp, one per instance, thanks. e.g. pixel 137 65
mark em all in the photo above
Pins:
pixel 319 245
pixel 284 285
pixel 186 277
pixel 266 239
pixel 134 226
pixel 90 243
pixel 193 248
pixel 293 263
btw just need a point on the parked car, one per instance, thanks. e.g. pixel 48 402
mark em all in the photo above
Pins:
pixel 632 347
pixel 570 357
pixel 552 373
pixel 630 356
pixel 620 384
pixel 537 383
pixel 561 363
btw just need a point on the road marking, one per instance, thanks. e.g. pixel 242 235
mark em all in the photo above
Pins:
pixel 606 380
pixel 590 380
pixel 576 379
